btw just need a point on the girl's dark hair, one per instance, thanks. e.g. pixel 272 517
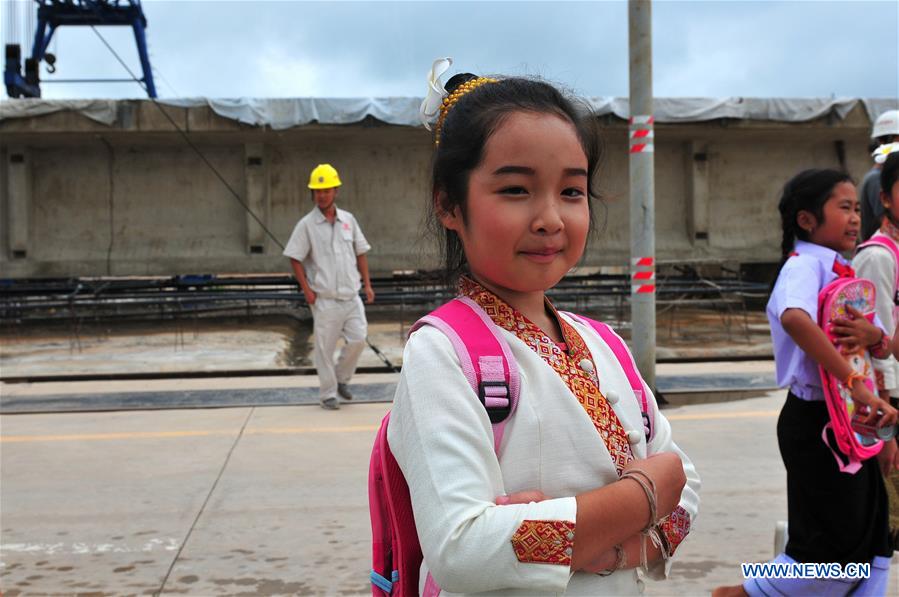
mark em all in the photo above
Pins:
pixel 890 173
pixel 468 126
pixel 807 191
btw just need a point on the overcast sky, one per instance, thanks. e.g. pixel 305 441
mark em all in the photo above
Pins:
pixel 359 49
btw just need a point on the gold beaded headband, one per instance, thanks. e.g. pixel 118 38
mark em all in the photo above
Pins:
pixel 451 100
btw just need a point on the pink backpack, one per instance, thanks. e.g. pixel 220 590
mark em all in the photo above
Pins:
pixel 832 302
pixel 491 371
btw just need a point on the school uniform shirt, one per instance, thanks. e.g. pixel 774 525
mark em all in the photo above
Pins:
pixel 803 275
pixel 877 264
pixel 328 253
pixel 577 424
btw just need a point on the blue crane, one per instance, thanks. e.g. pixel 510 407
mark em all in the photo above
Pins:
pixel 56 13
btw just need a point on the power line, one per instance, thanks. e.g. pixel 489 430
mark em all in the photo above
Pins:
pixel 190 143
pixel 199 153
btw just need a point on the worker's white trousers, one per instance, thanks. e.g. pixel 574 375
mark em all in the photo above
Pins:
pixel 333 319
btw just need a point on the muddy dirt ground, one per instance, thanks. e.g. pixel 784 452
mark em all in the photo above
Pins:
pixel 282 341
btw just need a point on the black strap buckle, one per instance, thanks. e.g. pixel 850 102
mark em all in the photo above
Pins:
pixel 496 414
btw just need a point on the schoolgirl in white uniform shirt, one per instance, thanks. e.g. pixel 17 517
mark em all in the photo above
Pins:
pixel 834 517
pixel 558 511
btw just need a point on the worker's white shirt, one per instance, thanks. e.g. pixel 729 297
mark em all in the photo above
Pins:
pixel 442 439
pixel 877 264
pixel 328 253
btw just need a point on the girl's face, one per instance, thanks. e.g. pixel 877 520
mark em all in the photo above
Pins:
pixel 527 210
pixel 842 220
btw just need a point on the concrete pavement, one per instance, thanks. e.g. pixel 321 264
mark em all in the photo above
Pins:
pixel 680 383
pixel 272 500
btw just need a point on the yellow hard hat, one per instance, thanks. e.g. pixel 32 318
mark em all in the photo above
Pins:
pixel 324 176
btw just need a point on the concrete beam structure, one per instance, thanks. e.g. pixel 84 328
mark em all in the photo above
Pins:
pixel 134 199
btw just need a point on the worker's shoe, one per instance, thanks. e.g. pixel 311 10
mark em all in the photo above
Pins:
pixel 344 391
pixel 330 403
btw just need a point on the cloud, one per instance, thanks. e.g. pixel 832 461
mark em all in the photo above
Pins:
pixel 353 49
pixel 777 49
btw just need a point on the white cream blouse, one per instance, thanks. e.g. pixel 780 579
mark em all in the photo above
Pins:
pixel 443 442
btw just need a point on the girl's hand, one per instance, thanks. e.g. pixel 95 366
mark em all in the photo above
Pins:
pixel 862 395
pixel 667 472
pixel 888 457
pixel 521 497
pixel 856 330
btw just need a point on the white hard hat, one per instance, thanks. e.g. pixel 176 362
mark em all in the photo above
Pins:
pixel 886 124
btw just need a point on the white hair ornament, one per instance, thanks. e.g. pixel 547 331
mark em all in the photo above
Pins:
pixel 430 106
pixel 881 154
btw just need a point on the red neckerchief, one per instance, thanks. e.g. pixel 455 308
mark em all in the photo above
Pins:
pixel 842 270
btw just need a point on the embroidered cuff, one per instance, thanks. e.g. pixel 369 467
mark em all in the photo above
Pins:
pixel 544 542
pixel 675 527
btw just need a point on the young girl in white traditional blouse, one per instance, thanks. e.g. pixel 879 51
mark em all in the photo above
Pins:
pixel 564 506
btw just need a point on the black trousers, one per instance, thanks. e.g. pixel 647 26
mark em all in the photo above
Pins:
pixel 833 516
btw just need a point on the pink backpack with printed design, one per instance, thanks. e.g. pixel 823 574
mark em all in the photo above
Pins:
pixel 832 302
pixel 487 363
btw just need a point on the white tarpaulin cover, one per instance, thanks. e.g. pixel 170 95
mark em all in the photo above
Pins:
pixel 280 114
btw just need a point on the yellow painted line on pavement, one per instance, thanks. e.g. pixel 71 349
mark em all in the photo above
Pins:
pixel 751 414
pixel 176 434
pixel 283 430
pixel 87 437
pixel 109 436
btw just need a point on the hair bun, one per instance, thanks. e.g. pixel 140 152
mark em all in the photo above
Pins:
pixel 457 81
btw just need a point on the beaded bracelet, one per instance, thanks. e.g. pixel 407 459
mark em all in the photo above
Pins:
pixel 620 562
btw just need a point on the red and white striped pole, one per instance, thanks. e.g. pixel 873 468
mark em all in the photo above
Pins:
pixel 642 190
pixel 643 275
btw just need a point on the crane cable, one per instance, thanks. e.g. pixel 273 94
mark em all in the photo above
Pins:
pixel 206 161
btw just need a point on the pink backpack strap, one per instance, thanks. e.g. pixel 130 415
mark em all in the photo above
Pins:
pixel 485 357
pixel 886 242
pixel 626 360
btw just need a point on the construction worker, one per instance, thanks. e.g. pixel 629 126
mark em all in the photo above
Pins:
pixel 327 252
pixel 885 130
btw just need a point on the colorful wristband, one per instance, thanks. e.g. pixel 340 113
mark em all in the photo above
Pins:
pixel 880 348
pixel 850 379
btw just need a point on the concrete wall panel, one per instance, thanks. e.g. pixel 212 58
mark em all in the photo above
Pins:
pixel 141 197
pixel 385 179
pixel 70 204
